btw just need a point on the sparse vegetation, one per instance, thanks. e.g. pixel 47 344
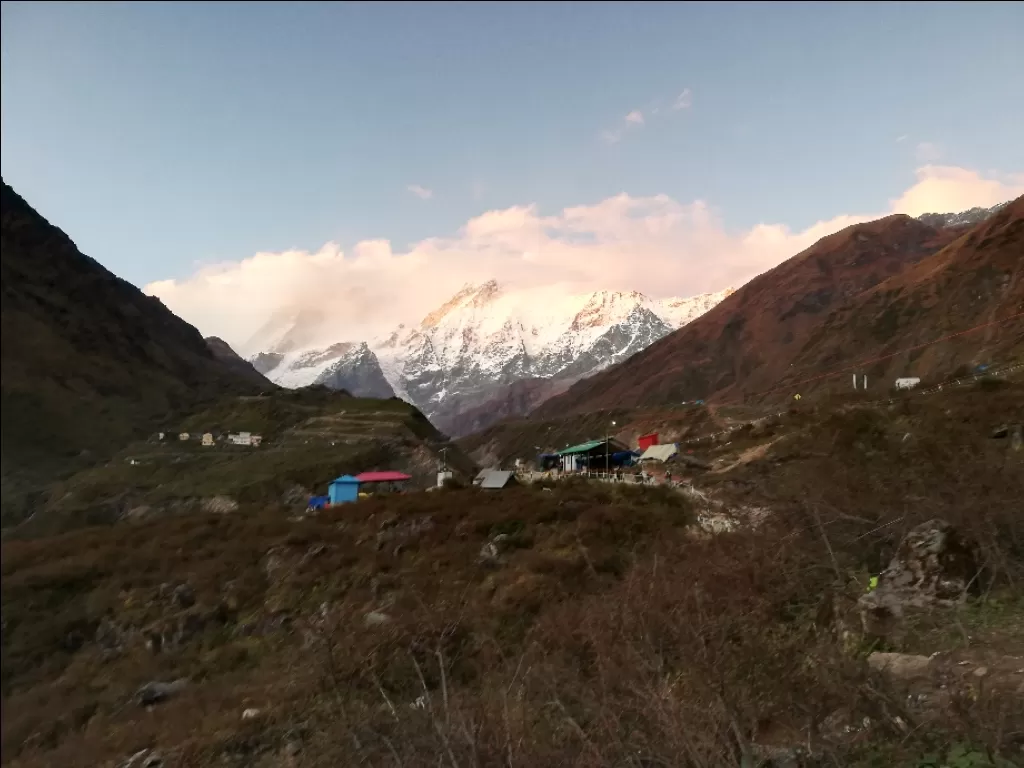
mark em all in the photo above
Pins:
pixel 310 437
pixel 570 624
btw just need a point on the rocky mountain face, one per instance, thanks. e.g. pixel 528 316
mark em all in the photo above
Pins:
pixel 482 341
pixel 874 296
pixel 89 361
pixel 966 218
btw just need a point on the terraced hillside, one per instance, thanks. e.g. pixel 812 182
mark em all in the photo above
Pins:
pixel 89 361
pixel 310 436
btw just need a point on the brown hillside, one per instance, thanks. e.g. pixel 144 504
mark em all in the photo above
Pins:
pixel 976 282
pixel 772 332
pixel 89 361
pixel 570 624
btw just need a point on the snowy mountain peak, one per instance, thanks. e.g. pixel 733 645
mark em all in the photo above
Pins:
pixel 485 338
pixel 469 295
pixel 605 307
pixel 961 219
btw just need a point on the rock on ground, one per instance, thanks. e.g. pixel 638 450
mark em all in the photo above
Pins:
pixel 933 566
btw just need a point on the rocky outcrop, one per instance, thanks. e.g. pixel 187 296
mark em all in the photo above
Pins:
pixel 935 565
pixel 157 692
pixel 356 371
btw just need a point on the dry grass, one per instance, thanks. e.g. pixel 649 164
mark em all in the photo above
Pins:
pixel 604 634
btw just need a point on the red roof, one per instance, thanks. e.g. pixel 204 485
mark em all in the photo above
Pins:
pixel 382 477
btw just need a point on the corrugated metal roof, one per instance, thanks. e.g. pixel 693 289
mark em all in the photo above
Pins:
pixel 382 477
pixel 660 452
pixel 581 448
pixel 496 479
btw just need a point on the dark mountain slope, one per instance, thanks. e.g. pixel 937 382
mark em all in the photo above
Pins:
pixel 223 352
pixel 867 292
pixel 89 361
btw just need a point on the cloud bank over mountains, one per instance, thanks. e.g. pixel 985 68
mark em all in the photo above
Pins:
pixel 655 245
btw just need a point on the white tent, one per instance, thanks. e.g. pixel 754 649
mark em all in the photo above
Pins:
pixel 660 452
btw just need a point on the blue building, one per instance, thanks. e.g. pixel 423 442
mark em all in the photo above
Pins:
pixel 342 490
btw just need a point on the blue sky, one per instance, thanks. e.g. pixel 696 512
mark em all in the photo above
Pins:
pixel 164 135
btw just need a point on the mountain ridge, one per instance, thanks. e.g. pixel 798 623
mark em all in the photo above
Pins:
pixel 89 361
pixel 865 290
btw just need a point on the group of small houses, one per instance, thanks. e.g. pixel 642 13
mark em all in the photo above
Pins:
pixel 208 438
pixel 613 459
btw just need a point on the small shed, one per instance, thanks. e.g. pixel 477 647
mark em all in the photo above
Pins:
pixel 343 490
pixel 494 479
pixel 593 453
pixel 207 438
pixel 499 479
pixel 907 383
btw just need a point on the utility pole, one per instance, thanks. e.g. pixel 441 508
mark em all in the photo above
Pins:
pixel 607 448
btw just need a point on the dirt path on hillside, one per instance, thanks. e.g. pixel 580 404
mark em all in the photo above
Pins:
pixel 750 454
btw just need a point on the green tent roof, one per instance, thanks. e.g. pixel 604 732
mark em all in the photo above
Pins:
pixel 581 448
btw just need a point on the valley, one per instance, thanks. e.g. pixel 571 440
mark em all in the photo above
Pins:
pixel 176 601
pixel 444 625
pixel 511 385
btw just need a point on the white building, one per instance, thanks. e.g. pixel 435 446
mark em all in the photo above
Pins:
pixel 245 438
pixel 907 383
pixel 207 438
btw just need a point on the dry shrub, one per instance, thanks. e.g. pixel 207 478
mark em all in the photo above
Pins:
pixel 605 634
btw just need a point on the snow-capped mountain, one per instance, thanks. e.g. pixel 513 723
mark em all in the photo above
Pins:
pixel 964 218
pixel 347 365
pixel 482 340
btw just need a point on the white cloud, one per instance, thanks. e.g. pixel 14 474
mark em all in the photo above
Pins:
pixel 901 138
pixel 637 118
pixel 683 101
pixel 947 189
pixel 421 192
pixel 654 244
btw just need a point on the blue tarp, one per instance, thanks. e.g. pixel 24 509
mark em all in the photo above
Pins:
pixel 317 502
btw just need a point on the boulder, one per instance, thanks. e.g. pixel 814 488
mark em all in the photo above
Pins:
pixel 933 566
pixel 184 596
pixel 376 619
pixel 156 692
pixel 905 667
